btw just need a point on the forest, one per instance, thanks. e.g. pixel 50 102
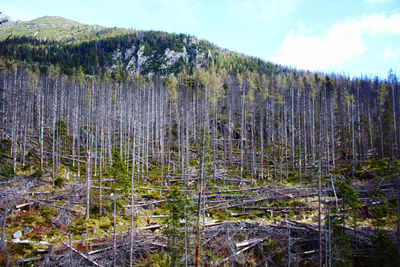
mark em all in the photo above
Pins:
pixel 221 164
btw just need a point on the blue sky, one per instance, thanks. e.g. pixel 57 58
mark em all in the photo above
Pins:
pixel 351 37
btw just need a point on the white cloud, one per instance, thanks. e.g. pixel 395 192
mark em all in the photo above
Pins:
pixel 341 43
pixel 391 53
pixel 262 10
pixel 303 29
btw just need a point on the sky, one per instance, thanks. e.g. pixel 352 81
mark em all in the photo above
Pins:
pixel 348 37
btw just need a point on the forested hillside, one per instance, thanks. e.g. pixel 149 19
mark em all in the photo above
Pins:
pixel 121 147
pixel 71 46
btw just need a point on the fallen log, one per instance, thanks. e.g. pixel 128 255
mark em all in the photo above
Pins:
pixel 24 205
pixel 82 255
pixel 240 251
pixel 51 205
pixel 246 242
pixel 278 208
pixel 150 227
pixel 22 261
pixel 154 216
pixel 213 224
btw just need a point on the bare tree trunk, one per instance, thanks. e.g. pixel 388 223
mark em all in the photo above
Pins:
pixel 319 184
pixel 292 128
pixel 115 223
pixel 214 141
pixel 53 147
pixel 398 220
pixel 70 232
pixel 101 171
pixel 261 144
pixel 242 134
pixel 289 246
pixel 353 142
pixel 41 126
pixel 333 134
pixel 169 143
pixel 319 220
pixel 132 194
pixel 3 229
pixel 200 196
pixel 396 149
pixel 88 173
pixel 253 153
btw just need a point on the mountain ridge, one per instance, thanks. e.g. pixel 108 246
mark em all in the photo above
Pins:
pixel 148 52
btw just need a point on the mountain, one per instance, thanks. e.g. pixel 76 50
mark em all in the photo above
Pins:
pixel 71 45
pixel 50 28
pixel 6 21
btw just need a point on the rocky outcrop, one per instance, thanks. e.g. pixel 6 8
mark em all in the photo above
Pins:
pixel 131 59
pixel 141 59
pixel 171 57
pixel 148 60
